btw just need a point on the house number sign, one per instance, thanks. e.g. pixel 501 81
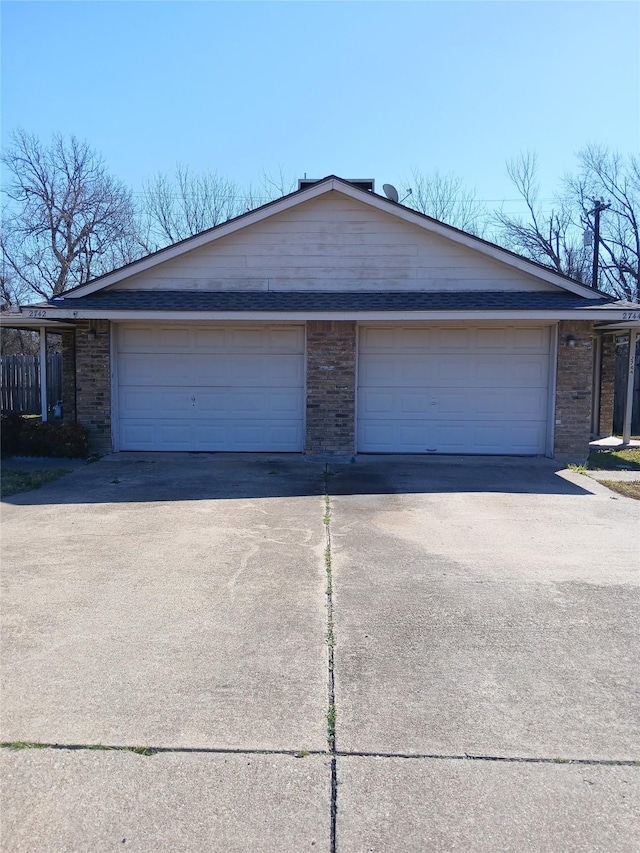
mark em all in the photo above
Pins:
pixel 38 314
pixel 631 315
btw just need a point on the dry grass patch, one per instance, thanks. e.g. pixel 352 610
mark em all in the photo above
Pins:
pixel 629 490
pixel 14 481
pixel 614 460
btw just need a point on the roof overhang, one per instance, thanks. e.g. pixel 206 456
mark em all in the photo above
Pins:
pixel 622 326
pixel 23 320
pixel 611 316
pixel 335 184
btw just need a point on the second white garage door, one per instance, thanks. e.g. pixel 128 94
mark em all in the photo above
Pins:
pixel 210 387
pixel 440 389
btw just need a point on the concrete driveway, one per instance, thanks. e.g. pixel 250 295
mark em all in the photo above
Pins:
pixel 479 648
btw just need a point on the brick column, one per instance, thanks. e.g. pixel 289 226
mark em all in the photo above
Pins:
pixel 331 387
pixel 68 376
pixel 607 385
pixel 93 385
pixel 573 390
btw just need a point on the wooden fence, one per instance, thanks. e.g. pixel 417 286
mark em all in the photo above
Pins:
pixel 20 383
pixel 622 359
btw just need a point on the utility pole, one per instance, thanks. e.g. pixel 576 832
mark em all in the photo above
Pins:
pixel 597 210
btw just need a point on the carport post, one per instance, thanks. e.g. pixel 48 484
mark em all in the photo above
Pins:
pixel 628 403
pixel 43 373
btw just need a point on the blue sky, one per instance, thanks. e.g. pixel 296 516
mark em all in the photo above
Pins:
pixel 360 89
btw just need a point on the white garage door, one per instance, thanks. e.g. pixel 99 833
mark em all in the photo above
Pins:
pixel 210 387
pixel 453 390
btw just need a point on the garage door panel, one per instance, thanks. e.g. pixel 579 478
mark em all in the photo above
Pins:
pixel 396 369
pixel 205 436
pixel 230 388
pixel 145 402
pixel 135 339
pixel 167 339
pixel 492 339
pixel 238 370
pixel 455 339
pixel 436 404
pixel 532 338
pixel 139 433
pixel 427 370
pixel 490 437
pixel 505 403
pixel 470 390
pixel 383 436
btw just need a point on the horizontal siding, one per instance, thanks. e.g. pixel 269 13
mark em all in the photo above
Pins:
pixel 333 243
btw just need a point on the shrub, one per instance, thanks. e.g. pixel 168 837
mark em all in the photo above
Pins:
pixel 33 438
pixel 10 432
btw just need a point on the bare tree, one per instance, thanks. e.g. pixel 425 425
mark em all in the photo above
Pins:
pixel 271 187
pixel 185 204
pixel 65 219
pixel 444 197
pixel 615 179
pixel 552 239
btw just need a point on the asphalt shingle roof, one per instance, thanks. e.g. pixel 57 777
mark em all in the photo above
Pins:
pixel 299 301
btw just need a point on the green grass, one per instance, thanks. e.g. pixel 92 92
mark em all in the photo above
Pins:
pixel 614 460
pixel 629 490
pixel 14 481
pixel 331 726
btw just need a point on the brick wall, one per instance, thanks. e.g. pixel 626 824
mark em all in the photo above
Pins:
pixel 331 387
pixel 574 390
pixel 93 385
pixel 607 385
pixel 68 376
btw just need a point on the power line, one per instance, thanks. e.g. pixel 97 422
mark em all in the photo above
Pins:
pixel 237 197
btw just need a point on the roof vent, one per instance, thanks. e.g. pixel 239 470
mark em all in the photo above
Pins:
pixel 367 184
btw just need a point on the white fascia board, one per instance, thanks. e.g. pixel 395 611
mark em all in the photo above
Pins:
pixel 381 204
pixel 303 316
pixel 21 321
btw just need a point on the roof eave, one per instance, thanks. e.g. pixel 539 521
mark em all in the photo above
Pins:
pixel 627 318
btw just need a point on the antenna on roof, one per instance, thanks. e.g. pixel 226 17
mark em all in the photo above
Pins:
pixel 391 192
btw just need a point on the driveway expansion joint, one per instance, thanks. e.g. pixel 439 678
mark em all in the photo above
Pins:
pixel 331 710
pixel 506 759
pixel 159 750
pixel 304 753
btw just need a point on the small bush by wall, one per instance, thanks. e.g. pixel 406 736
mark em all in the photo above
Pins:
pixel 26 437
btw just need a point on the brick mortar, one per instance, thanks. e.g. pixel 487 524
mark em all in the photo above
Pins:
pixel 69 376
pixel 331 387
pixel 607 385
pixel 93 382
pixel 574 386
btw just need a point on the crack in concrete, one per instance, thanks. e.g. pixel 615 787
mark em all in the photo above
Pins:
pixel 159 750
pixel 331 710
pixel 507 759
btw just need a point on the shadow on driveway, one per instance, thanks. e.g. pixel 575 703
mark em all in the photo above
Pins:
pixel 131 477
